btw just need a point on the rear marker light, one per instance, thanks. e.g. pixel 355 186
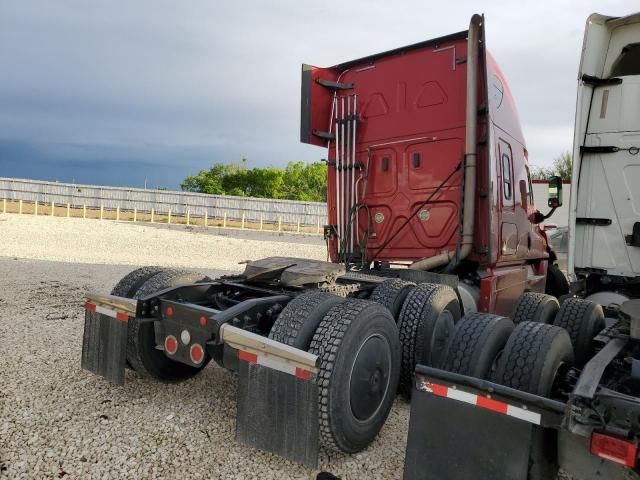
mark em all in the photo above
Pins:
pixel 185 336
pixel 171 345
pixel 614 449
pixel 169 311
pixel 196 353
pixel 203 321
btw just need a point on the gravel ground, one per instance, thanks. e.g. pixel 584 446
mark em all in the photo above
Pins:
pixel 58 421
pixel 122 243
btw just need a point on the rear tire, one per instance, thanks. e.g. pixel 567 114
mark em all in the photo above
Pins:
pixel 132 281
pixel 476 342
pixel 426 321
pixel 556 284
pixel 142 354
pixel 392 294
pixel 535 307
pixel 297 323
pixel 532 360
pixel 583 320
pixel 359 363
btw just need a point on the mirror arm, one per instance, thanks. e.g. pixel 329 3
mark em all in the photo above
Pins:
pixel 544 217
pixel 539 217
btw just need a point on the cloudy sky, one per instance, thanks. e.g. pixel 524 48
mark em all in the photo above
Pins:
pixel 118 92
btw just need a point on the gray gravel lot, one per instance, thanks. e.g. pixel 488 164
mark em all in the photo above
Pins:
pixel 125 243
pixel 58 421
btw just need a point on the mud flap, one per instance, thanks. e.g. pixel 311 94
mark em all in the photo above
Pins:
pixel 459 431
pixel 277 412
pixel 104 346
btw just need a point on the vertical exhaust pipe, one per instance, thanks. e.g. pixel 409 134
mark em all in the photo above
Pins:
pixel 470 155
pixel 337 167
pixel 353 213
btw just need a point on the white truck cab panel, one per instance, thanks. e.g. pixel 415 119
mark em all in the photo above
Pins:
pixel 605 198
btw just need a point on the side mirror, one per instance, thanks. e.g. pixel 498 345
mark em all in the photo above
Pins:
pixel 555 192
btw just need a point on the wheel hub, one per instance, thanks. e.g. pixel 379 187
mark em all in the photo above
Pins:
pixel 370 374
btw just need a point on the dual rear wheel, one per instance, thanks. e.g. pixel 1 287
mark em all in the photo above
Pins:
pixel 367 350
pixel 142 354
pixel 358 351
pixel 533 356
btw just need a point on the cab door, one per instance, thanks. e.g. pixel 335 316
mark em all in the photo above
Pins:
pixel 509 238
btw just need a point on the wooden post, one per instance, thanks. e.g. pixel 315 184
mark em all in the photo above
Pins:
pixel 152 212
pixel 101 211
pixel 135 214
pixel 68 210
pixel 84 211
pixel 260 222
pixel 169 217
pixel 242 225
pixel 279 222
pixel 318 228
pixel 118 212
pixel 298 225
pixel 206 219
pixel 224 220
pixel 35 208
pixel 53 208
pixel 19 207
pixel 4 205
pixel 188 216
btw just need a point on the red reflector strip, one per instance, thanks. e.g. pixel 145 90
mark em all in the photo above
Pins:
pixel 275 364
pixel 439 390
pixel 614 449
pixel 247 357
pixel 303 374
pixel 123 317
pixel 491 404
pixel 480 401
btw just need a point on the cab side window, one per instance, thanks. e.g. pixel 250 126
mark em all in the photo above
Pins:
pixel 507 181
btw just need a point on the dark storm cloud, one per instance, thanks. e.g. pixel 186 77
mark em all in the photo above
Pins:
pixel 166 88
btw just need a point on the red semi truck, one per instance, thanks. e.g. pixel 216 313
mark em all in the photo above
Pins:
pixel 431 218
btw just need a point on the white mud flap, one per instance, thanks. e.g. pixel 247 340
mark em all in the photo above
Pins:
pixel 277 397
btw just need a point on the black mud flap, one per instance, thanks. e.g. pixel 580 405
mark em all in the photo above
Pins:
pixel 278 412
pixel 451 439
pixel 104 346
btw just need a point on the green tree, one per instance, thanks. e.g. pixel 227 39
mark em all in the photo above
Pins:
pixel 206 181
pixel 563 164
pixel 541 173
pixel 298 181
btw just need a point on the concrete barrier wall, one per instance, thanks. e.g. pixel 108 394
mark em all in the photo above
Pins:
pixel 179 203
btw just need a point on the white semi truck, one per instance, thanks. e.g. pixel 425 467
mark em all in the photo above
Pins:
pixel 604 218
